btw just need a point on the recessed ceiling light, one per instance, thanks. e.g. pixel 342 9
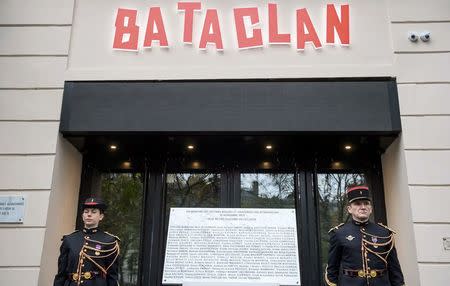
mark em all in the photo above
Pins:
pixel 269 147
pixel 266 165
pixel 190 147
pixel 337 164
pixel 113 147
pixel 348 147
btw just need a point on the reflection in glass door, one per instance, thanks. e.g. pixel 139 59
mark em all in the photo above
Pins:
pixel 260 190
pixel 193 190
pixel 123 192
pixel 332 204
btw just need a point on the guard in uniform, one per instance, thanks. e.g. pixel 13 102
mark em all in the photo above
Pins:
pixel 89 256
pixel 361 252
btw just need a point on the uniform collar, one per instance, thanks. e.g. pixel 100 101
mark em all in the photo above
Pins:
pixel 358 223
pixel 90 230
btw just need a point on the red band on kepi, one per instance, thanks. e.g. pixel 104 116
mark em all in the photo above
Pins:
pixel 97 203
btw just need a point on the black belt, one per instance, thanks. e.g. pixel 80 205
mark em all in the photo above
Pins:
pixel 372 273
pixel 88 275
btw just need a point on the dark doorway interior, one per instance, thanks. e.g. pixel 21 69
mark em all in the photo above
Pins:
pixel 143 176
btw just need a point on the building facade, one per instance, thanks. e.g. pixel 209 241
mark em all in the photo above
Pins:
pixel 151 100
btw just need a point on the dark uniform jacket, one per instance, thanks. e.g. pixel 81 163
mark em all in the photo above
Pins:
pixel 362 254
pixel 88 257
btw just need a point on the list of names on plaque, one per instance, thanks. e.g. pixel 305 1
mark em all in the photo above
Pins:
pixel 239 245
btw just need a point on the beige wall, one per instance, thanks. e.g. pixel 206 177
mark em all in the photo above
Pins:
pixel 34 41
pixel 398 208
pixel 63 206
pixel 416 168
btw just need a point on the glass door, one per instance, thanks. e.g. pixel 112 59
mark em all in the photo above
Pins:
pixel 332 204
pixel 142 188
pixel 123 192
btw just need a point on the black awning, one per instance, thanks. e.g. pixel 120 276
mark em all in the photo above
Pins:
pixel 319 106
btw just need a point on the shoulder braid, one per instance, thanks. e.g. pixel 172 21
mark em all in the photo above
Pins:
pixel 390 229
pixel 64 236
pixel 335 227
pixel 115 236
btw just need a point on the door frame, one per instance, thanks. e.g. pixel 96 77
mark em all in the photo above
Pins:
pixel 305 170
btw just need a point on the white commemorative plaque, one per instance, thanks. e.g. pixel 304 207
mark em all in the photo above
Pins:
pixel 12 209
pixel 232 245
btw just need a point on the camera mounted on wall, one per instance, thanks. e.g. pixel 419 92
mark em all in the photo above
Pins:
pixel 424 36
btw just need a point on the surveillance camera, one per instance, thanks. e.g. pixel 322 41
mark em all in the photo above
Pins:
pixel 413 37
pixel 425 36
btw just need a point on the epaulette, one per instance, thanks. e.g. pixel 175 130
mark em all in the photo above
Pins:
pixel 390 229
pixel 335 228
pixel 69 234
pixel 115 236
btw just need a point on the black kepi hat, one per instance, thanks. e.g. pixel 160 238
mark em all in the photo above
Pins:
pixel 358 193
pixel 95 203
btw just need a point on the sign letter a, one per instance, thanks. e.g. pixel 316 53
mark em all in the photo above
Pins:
pixel 211 30
pixel 304 21
pixel 155 29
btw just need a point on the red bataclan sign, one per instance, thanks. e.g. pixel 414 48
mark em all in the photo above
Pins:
pixel 126 35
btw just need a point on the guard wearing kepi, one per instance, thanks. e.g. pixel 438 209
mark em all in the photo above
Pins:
pixel 89 256
pixel 361 252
